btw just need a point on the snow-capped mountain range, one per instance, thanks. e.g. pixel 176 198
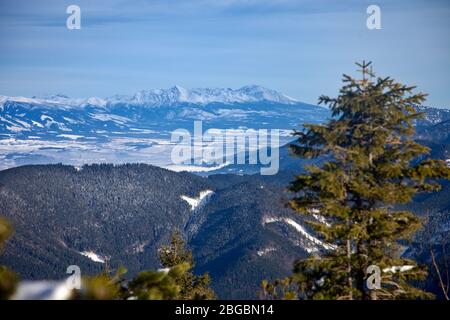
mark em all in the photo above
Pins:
pixel 202 96
pixel 154 109
pixel 137 127
pixel 164 97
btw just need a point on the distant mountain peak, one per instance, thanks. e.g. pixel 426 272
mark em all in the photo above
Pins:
pixel 179 94
pixel 167 97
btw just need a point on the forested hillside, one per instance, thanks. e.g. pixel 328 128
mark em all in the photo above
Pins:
pixel 122 214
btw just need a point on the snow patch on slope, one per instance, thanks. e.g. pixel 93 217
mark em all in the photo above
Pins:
pixel 93 256
pixel 395 269
pixel 265 251
pixel 193 168
pixel 316 242
pixel 316 215
pixel 198 202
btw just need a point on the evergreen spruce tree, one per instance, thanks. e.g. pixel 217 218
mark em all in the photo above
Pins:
pixel 158 285
pixel 193 287
pixel 103 286
pixel 147 285
pixel 174 282
pixel 371 167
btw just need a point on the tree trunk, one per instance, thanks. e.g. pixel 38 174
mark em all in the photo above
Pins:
pixel 349 269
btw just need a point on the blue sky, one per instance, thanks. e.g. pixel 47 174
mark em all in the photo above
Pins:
pixel 300 47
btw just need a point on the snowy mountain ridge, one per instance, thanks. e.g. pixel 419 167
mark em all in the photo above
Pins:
pixel 164 97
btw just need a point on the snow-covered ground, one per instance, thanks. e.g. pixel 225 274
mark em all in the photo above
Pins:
pixel 42 290
pixel 199 201
pixel 265 251
pixel 314 242
pixel 395 269
pixel 93 256
pixel 188 168
pixel 76 150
